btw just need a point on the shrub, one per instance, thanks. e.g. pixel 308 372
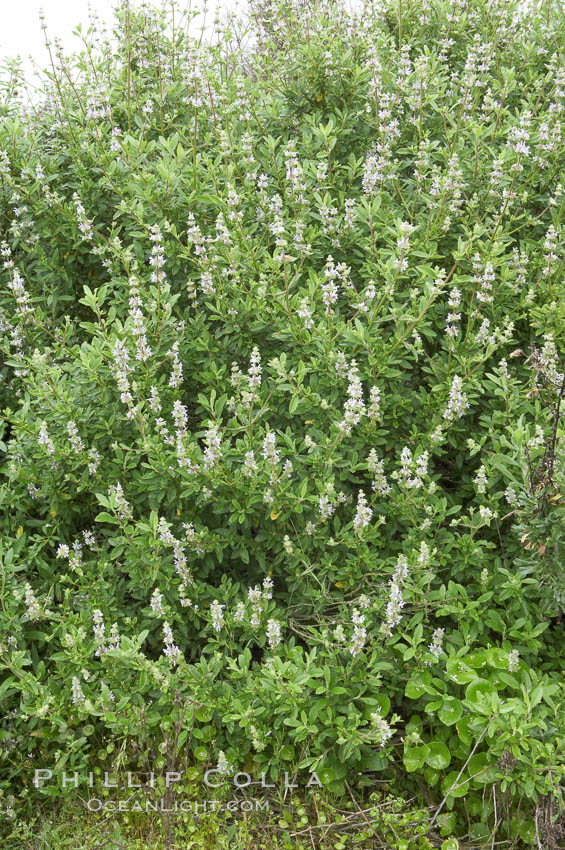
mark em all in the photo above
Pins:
pixel 283 478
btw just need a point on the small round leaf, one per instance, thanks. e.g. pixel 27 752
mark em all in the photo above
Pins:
pixel 450 711
pixel 415 757
pixel 438 756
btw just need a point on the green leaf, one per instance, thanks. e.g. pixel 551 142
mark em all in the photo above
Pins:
pixel 481 770
pixel 375 762
pixel 438 755
pixel 450 711
pixel 419 684
pixel 464 729
pixel 104 516
pixel 204 714
pixel 479 693
pixel 414 724
pixel 414 758
pixel 461 785
pixel 459 672
pixel 446 822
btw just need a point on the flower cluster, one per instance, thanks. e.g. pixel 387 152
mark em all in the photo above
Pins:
pixel 457 402
pixel 376 466
pixel 395 602
pixel 217 615
pixel 157 258
pixel 119 502
pixel 171 651
pixel 359 637
pixel 139 330
pixel 382 731
pixel 363 513
pixel 435 647
pixel 412 469
pixel 354 407
pixel 84 224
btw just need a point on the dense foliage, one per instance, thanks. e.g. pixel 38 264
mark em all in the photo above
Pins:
pixel 282 472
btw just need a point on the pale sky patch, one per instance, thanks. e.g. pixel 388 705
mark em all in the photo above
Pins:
pixel 21 33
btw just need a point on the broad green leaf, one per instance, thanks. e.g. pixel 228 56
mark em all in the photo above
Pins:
pixel 414 758
pixel 450 711
pixel 438 755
